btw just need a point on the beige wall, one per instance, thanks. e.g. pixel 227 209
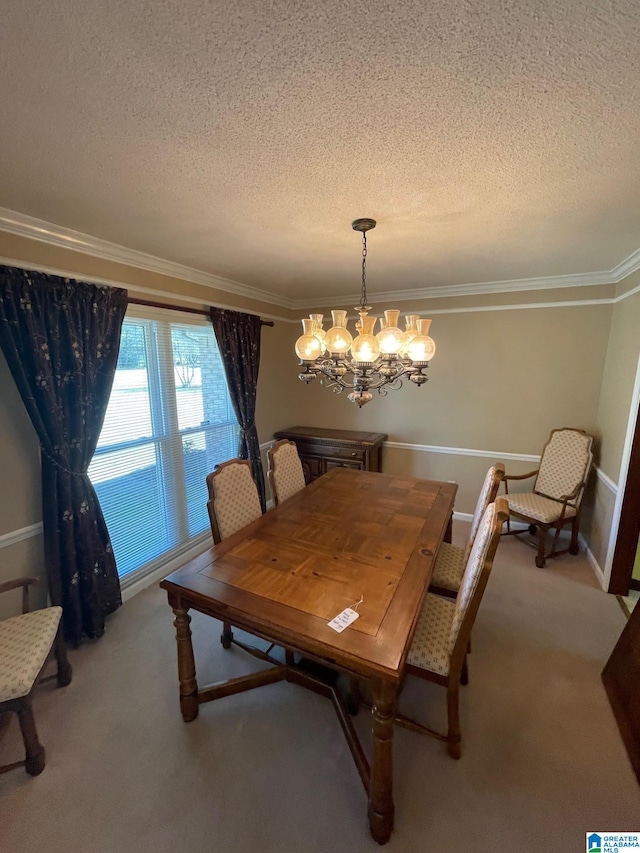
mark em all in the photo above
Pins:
pixel 500 381
pixel 24 251
pixel 614 410
pixel 636 564
pixel 20 493
pixel 618 378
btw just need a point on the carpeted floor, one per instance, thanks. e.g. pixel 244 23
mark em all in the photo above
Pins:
pixel 269 770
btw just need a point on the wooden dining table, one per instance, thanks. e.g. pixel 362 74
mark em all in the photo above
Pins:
pixel 350 536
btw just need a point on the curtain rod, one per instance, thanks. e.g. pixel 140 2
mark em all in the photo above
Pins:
pixel 200 311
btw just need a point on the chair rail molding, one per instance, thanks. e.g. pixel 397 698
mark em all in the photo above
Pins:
pixel 489 454
pixel 462 451
pixel 15 536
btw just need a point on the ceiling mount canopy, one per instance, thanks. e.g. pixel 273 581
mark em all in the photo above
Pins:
pixel 369 362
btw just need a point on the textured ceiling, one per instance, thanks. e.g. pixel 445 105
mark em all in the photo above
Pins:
pixel 491 139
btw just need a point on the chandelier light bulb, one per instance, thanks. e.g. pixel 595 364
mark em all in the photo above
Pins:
pixel 318 331
pixel 308 347
pixel 365 349
pixel 411 325
pixel 390 336
pixel 338 339
pixel 422 348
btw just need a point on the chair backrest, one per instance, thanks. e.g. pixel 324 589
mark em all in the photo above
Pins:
pixel 487 496
pixel 565 463
pixel 233 498
pixel 474 580
pixel 286 476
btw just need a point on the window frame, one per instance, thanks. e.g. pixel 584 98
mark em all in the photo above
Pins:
pixel 166 437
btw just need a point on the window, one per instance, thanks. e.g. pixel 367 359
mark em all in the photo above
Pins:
pixel 168 424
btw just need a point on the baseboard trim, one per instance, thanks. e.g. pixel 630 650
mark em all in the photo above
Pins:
pixel 136 585
pixel 595 565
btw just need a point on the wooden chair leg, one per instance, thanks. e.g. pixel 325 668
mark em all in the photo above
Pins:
pixel 65 671
pixel 453 714
pixel 542 541
pixel 227 635
pixel 574 547
pixel 35 755
pixel 464 675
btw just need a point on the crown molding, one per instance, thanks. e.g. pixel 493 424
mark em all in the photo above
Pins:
pixel 23 225
pixel 627 267
pixel 56 235
pixel 137 288
pixel 584 279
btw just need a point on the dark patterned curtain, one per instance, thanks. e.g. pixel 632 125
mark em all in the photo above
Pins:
pixel 61 339
pixel 238 337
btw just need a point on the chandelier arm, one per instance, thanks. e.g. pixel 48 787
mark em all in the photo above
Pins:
pixel 395 385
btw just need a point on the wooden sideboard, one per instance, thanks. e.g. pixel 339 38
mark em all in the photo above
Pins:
pixel 323 449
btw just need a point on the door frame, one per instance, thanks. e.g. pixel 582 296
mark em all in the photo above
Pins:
pixel 625 525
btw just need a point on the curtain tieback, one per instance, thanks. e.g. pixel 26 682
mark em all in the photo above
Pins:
pixel 61 467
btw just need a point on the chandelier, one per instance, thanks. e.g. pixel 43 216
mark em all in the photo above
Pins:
pixel 368 362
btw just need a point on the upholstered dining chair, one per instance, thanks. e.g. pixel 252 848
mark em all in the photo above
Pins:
pixel 451 559
pixel 439 649
pixel 285 474
pixel 27 642
pixel 233 503
pixel 556 497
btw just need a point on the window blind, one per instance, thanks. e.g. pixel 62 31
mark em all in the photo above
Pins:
pixel 168 424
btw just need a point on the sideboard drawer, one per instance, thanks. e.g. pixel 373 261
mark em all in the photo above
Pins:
pixel 349 453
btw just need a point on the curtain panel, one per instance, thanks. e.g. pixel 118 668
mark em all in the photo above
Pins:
pixel 61 338
pixel 238 337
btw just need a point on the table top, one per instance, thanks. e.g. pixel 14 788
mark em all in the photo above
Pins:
pixel 350 534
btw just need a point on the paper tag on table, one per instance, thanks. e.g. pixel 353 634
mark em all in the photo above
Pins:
pixel 343 620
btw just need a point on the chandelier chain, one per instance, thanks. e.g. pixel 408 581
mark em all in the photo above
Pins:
pixel 363 297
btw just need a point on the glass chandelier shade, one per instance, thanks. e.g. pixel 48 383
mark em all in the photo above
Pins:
pixel 368 362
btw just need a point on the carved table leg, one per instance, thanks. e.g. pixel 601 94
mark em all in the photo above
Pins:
pixel 381 808
pixel 186 665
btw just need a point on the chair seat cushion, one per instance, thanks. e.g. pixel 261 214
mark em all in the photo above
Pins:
pixel 430 647
pixel 449 567
pixel 25 642
pixel 538 508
